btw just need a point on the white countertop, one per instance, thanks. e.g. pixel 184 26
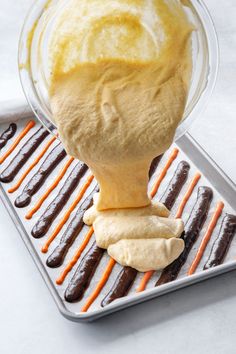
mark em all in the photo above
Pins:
pixel 198 319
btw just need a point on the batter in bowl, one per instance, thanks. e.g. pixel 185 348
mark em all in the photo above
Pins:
pixel 120 75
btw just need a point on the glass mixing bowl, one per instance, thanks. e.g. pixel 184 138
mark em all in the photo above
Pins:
pixel 34 71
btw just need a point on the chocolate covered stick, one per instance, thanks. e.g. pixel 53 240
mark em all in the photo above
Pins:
pixel 72 231
pixel 67 214
pixel 84 273
pixel 178 180
pixel 154 164
pixel 49 190
pixel 221 245
pixel 24 153
pixel 35 183
pixel 193 227
pixel 7 134
pixel 122 284
pixel 43 224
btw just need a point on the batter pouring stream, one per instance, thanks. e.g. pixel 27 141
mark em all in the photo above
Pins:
pixel 120 74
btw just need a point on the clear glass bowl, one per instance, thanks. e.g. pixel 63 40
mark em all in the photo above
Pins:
pixel 34 69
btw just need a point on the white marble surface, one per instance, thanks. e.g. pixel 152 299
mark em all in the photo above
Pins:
pixel 199 319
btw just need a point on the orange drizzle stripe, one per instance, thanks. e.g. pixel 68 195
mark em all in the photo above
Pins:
pixel 75 258
pixel 145 279
pixel 67 215
pixel 21 179
pixel 164 171
pixel 100 285
pixel 187 195
pixel 147 276
pixel 49 190
pixel 27 128
pixel 206 238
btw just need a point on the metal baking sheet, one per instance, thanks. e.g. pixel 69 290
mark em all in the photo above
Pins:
pixel 223 188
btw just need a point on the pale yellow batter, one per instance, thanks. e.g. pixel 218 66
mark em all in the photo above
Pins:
pixel 120 72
